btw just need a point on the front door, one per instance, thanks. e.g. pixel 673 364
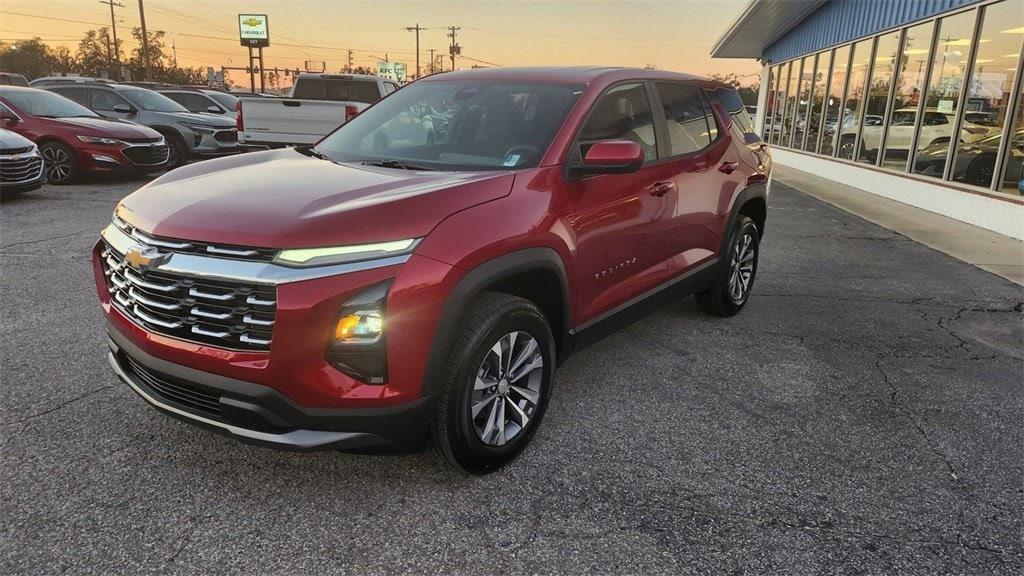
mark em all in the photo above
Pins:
pixel 619 220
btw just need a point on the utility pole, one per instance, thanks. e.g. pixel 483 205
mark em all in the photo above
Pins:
pixel 114 62
pixel 417 30
pixel 174 51
pixel 349 70
pixel 431 59
pixel 145 42
pixel 454 49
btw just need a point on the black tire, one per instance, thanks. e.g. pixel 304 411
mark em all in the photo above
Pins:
pixel 454 433
pixel 980 170
pixel 60 164
pixel 719 300
pixel 177 151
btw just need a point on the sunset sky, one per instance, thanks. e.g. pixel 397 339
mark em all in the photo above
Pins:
pixel 671 35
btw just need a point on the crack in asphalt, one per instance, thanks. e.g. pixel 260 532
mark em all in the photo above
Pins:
pixel 3 249
pixel 57 407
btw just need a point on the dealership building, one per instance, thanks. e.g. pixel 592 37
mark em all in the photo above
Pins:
pixel 918 101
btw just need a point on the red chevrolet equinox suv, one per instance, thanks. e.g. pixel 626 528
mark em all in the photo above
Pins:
pixel 418 274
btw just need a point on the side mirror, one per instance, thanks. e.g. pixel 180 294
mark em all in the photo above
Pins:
pixel 214 110
pixel 123 109
pixel 612 157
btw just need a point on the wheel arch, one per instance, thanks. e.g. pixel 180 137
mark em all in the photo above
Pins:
pixel 536 274
pixel 752 201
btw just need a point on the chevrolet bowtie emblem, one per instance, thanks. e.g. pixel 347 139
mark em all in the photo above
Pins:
pixel 145 258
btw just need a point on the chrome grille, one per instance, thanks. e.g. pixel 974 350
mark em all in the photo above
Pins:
pixel 186 395
pixel 20 170
pixel 224 314
pixel 194 247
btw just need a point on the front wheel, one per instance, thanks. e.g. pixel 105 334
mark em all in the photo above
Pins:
pixel 736 273
pixel 497 382
pixel 59 162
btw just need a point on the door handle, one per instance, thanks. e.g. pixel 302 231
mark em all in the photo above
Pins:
pixel 728 167
pixel 661 188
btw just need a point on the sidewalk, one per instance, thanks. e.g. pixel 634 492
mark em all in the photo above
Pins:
pixel 995 253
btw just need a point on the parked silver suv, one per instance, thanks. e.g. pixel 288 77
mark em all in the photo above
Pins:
pixel 189 136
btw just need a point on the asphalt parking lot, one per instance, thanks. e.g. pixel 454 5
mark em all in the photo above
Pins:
pixel 863 415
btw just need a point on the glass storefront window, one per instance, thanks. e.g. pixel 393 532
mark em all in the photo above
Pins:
pixel 840 64
pixel 1012 181
pixel 789 119
pixel 820 100
pixel 910 77
pixel 988 99
pixel 769 101
pixel 948 68
pixel 879 82
pixel 854 102
pixel 780 104
pixel 802 103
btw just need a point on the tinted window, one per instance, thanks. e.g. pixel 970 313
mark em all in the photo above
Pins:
pixel 150 101
pixel 686 118
pixel 197 102
pixel 730 100
pixel 622 113
pixel 364 91
pixel 79 95
pixel 105 100
pixel 176 96
pixel 226 100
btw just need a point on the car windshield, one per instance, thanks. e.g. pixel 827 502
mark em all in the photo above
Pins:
pixel 45 104
pixel 456 125
pixel 226 100
pixel 151 101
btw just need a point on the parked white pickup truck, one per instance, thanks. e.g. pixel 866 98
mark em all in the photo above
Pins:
pixel 319 103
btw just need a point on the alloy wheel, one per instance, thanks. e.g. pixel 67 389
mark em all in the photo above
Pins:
pixel 58 163
pixel 741 270
pixel 507 388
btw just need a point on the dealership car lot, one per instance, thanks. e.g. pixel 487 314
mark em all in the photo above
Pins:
pixel 862 415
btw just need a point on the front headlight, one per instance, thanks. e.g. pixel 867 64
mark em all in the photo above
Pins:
pixel 344 254
pixel 201 128
pixel 358 346
pixel 100 140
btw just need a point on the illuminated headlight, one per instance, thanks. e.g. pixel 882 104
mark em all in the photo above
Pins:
pixel 344 254
pixel 357 345
pixel 100 140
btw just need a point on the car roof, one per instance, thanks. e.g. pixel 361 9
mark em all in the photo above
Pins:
pixel 563 74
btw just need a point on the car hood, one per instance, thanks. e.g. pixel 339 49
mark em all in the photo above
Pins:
pixel 285 199
pixel 111 128
pixel 205 119
pixel 10 139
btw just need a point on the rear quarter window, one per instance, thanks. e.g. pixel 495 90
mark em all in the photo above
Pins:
pixel 733 104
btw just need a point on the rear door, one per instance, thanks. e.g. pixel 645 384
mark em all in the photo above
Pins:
pixel 706 170
pixel 619 219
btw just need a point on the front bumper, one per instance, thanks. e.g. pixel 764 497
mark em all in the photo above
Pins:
pixel 259 414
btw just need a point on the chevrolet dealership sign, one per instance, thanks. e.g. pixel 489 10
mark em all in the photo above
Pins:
pixel 253 30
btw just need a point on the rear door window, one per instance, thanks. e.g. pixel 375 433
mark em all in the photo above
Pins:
pixel 687 118
pixel 621 113
pixel 733 104
pixel 77 94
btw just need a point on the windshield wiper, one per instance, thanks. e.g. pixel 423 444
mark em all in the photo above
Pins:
pixel 391 163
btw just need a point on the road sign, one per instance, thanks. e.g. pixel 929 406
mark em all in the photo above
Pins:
pixel 253 30
pixel 392 71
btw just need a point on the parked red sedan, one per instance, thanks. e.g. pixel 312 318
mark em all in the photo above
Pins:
pixel 75 140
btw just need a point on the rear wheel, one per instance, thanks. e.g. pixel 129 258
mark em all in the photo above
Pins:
pixel 497 382
pixel 736 273
pixel 59 162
